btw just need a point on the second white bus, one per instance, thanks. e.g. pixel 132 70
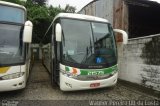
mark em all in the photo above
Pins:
pixel 15 53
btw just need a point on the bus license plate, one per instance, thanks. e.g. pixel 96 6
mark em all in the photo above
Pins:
pixel 93 85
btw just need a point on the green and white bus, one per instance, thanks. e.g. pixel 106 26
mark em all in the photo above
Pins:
pixel 15 39
pixel 83 52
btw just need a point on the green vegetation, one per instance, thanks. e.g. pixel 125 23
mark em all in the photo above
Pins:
pixel 41 16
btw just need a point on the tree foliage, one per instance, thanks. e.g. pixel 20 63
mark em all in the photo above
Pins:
pixel 40 15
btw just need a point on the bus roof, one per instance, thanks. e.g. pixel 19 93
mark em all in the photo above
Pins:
pixel 12 4
pixel 80 16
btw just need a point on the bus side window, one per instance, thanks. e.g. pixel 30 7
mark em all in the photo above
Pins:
pixel 58 51
pixel 52 47
pixel 27 49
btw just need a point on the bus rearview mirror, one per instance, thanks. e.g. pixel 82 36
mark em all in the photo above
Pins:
pixel 27 33
pixel 124 34
pixel 58 32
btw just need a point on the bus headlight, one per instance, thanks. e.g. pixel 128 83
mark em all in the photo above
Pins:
pixel 12 76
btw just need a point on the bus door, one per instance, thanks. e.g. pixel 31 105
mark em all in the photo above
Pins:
pixel 56 53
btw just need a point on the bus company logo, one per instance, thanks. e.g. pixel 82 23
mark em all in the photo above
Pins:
pixel 9 103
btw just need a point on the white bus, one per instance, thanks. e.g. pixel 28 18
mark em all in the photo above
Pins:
pixel 15 39
pixel 83 52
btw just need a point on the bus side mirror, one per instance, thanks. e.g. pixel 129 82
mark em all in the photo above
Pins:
pixel 58 32
pixel 27 33
pixel 124 34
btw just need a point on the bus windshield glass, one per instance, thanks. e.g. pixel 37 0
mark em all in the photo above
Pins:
pixel 11 45
pixel 11 14
pixel 88 43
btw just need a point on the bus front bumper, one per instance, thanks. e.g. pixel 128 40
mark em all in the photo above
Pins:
pixel 70 84
pixel 13 84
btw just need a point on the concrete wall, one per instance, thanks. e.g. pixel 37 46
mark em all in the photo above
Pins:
pixel 139 60
pixel 36 50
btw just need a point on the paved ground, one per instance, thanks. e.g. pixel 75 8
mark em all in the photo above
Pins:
pixel 39 88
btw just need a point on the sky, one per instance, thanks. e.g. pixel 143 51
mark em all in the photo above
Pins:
pixel 77 3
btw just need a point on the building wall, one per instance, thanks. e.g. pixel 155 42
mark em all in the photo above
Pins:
pixel 100 8
pixel 139 60
pixel 36 50
pixel 120 15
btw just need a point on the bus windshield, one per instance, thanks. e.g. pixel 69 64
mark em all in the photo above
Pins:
pixel 11 50
pixel 88 43
pixel 11 14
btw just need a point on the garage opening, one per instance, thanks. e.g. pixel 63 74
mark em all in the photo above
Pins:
pixel 144 18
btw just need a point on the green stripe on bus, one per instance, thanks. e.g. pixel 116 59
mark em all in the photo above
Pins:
pixel 104 71
pixel 67 68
